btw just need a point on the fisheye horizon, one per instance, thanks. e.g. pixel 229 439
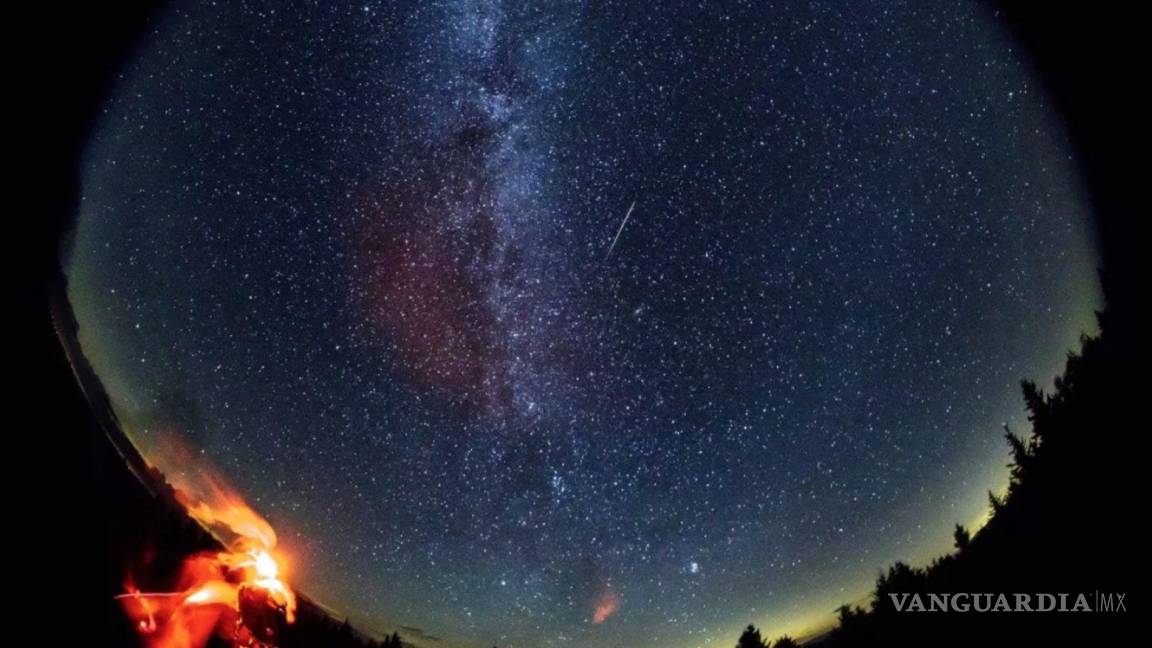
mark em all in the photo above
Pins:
pixel 583 324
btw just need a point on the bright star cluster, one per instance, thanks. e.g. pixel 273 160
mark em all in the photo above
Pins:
pixel 583 323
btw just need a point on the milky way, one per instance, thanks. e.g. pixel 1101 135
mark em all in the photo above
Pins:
pixel 372 259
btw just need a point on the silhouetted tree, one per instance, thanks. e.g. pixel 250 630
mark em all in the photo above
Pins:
pixel 785 642
pixel 899 579
pixel 1037 405
pixel 345 631
pixel 1023 452
pixel 961 538
pixel 849 617
pixel 995 502
pixel 751 639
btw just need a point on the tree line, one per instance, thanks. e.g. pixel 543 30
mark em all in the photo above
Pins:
pixel 1069 521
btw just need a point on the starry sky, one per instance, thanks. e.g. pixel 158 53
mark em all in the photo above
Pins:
pixel 583 323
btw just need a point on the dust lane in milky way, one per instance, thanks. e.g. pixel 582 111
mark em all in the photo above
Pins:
pixel 596 323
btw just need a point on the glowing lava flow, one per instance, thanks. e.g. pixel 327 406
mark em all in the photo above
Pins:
pixel 237 594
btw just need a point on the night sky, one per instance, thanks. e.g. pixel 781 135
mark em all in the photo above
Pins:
pixel 594 324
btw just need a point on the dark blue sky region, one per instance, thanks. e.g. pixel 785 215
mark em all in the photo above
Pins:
pixel 362 256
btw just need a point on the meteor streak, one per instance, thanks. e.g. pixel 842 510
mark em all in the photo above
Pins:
pixel 620 230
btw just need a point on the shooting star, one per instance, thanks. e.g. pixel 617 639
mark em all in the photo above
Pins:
pixel 620 230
